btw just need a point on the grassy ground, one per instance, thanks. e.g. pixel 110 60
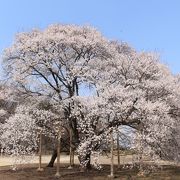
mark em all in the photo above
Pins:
pixel 30 173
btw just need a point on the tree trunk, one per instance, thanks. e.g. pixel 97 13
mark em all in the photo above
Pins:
pixel 53 158
pixel 75 143
pixel 88 165
pixel 85 166
pixel 54 154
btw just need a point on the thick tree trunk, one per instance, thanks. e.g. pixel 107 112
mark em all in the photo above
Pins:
pixel 75 142
pixel 85 167
pixel 53 158
pixel 87 159
pixel 88 164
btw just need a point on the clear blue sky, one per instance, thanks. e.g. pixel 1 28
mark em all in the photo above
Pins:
pixel 150 25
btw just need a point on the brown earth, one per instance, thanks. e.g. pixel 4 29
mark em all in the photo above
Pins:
pixel 29 172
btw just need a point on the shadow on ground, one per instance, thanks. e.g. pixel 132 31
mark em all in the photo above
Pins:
pixel 30 173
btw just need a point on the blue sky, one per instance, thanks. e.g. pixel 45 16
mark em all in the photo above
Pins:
pixel 150 25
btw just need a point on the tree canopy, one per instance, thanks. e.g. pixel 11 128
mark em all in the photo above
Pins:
pixel 129 88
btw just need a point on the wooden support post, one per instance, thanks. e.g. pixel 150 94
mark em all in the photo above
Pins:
pixel 72 157
pixel 112 157
pixel 40 152
pixel 118 154
pixel 70 149
pixel 58 153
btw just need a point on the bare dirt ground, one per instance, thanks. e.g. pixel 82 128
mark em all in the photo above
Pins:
pixel 29 172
